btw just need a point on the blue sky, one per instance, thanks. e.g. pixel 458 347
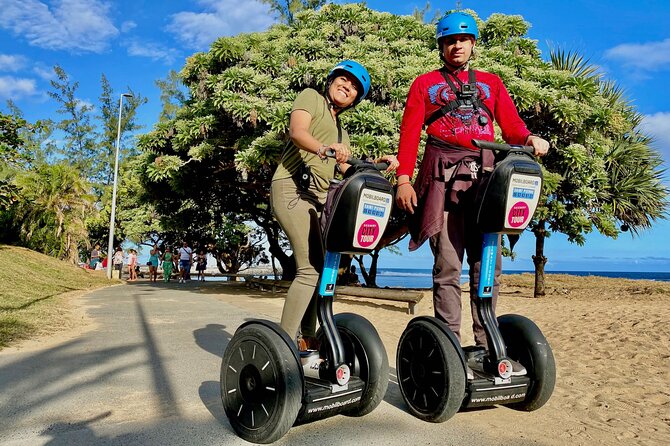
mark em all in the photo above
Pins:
pixel 135 43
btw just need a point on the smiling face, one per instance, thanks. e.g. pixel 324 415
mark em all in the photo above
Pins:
pixel 343 90
pixel 457 49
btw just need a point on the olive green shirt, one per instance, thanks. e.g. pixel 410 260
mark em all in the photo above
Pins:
pixel 324 128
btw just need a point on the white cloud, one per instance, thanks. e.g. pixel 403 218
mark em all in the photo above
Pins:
pixel 44 72
pixel 127 26
pixel 153 51
pixel 12 62
pixel 658 126
pixel 76 25
pixel 15 88
pixel 198 30
pixel 649 56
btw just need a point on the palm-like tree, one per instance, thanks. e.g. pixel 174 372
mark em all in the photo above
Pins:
pixel 56 201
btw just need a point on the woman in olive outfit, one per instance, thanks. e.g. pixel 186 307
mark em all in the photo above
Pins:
pixel 300 183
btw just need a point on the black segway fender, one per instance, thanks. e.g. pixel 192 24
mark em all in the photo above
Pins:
pixel 450 334
pixel 526 344
pixel 279 331
pixel 371 361
pixel 431 370
pixel 367 359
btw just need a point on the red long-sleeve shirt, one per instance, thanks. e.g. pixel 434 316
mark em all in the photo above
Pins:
pixel 429 92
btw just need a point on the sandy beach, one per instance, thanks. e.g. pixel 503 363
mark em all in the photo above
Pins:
pixel 611 342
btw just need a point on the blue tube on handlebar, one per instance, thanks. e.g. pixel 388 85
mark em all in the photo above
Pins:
pixel 488 265
pixel 329 274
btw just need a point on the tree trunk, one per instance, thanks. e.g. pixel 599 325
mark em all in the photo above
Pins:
pixel 371 276
pixel 539 259
pixel 287 262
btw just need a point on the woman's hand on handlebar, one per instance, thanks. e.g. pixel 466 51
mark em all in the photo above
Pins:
pixel 391 160
pixel 342 152
pixel 539 145
pixel 405 196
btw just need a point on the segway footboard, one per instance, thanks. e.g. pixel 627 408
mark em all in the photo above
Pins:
pixel 483 392
pixel 322 399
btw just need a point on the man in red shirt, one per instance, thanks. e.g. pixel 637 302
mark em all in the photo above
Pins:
pixel 455 104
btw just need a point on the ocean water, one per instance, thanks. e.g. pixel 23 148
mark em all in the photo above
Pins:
pixel 422 278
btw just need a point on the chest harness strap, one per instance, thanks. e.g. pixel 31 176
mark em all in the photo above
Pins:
pixel 467 98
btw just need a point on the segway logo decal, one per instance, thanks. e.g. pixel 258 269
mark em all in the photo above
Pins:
pixel 521 192
pixel 375 211
pixel 518 215
pixel 372 215
pixel 368 233
pixel 334 405
pixel 523 195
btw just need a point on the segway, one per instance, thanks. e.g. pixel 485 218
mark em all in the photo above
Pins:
pixel 431 365
pixel 267 385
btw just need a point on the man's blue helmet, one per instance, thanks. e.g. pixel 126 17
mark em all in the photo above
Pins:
pixel 358 71
pixel 456 23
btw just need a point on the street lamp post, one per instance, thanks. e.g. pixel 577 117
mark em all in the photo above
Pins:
pixel 110 246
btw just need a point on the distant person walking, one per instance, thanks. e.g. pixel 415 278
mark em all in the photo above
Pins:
pixel 132 264
pixel 154 254
pixel 168 263
pixel 117 261
pixel 185 261
pixel 95 256
pixel 201 265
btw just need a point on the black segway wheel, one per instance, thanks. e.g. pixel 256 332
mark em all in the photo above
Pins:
pixel 430 372
pixel 366 356
pixel 261 384
pixel 526 343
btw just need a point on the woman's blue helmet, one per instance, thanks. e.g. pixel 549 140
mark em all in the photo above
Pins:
pixel 456 23
pixel 358 71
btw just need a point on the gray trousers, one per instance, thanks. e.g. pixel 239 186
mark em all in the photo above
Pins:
pixel 298 214
pixel 459 235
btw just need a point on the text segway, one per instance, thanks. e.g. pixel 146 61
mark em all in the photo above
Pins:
pixel 267 385
pixel 431 364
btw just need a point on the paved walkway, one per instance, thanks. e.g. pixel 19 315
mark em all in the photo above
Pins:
pixel 148 372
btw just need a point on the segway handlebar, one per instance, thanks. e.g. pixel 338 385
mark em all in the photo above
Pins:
pixel 488 145
pixel 357 161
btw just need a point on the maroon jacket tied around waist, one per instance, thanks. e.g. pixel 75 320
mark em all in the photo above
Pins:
pixel 444 169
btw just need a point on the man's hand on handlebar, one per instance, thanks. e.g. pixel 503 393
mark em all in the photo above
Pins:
pixel 539 145
pixel 391 160
pixel 405 196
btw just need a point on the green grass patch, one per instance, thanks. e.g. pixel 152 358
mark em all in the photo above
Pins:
pixel 31 292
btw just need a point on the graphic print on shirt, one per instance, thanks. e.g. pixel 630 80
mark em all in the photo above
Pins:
pixel 461 122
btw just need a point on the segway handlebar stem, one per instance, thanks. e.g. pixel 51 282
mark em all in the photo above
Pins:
pixel 488 145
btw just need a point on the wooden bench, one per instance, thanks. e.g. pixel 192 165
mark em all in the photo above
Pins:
pixel 411 297
pixel 275 286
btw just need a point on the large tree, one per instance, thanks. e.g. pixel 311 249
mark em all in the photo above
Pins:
pixel 230 132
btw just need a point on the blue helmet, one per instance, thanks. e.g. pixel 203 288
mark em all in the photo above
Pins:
pixel 358 71
pixel 456 23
